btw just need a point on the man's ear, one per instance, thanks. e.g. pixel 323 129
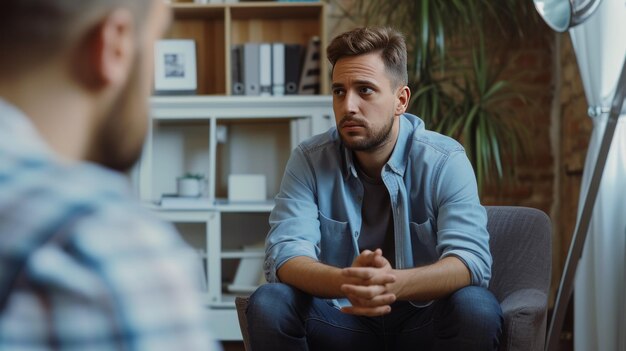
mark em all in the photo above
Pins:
pixel 106 54
pixel 402 99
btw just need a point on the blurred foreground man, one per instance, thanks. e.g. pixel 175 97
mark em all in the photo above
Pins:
pixel 82 265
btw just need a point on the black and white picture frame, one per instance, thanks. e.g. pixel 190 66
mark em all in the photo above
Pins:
pixel 175 71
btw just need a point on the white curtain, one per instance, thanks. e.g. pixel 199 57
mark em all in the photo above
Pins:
pixel 599 295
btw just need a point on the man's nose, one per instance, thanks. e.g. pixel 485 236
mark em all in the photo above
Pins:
pixel 351 103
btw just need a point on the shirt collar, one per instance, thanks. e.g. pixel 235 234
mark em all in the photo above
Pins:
pixel 349 162
pixel 19 137
pixel 18 134
pixel 399 156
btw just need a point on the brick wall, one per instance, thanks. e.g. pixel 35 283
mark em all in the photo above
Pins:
pixel 532 184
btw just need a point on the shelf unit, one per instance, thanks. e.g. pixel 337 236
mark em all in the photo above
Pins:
pixel 260 134
pixel 216 27
pixel 188 128
pixel 216 134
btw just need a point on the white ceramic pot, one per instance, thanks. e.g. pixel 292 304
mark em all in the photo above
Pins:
pixel 189 187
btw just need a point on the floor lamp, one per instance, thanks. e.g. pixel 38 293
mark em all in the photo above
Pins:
pixel 561 15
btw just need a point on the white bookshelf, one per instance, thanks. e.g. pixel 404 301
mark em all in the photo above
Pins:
pixel 260 134
pixel 186 135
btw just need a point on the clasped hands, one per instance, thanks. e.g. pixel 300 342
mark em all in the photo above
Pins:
pixel 368 284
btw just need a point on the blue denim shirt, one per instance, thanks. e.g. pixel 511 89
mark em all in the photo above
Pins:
pixel 434 200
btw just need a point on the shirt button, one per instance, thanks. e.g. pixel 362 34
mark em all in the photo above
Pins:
pixel 356 233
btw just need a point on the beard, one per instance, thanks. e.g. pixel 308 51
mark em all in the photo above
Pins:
pixel 374 138
pixel 118 142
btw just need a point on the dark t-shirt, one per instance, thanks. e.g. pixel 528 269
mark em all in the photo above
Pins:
pixel 377 225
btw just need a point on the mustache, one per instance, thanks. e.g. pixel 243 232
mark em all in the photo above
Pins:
pixel 352 119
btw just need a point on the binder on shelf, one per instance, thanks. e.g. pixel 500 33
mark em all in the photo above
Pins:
pixel 238 87
pixel 278 69
pixel 251 68
pixel 293 62
pixel 310 78
pixel 265 69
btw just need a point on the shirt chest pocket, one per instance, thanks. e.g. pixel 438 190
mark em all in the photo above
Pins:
pixel 424 243
pixel 336 244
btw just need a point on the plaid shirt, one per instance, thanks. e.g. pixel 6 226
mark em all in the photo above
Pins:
pixel 82 265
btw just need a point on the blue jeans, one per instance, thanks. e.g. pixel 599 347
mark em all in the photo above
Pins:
pixel 281 317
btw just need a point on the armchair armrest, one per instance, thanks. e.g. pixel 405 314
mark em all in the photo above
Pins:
pixel 525 313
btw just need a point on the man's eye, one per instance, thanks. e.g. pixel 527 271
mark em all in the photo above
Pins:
pixel 365 90
pixel 338 92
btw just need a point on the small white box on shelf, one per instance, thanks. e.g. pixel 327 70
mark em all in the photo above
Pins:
pixel 246 187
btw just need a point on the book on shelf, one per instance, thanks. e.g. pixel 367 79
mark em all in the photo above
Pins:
pixel 173 201
pixel 249 274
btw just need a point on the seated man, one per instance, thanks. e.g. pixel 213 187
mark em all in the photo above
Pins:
pixel 82 265
pixel 378 240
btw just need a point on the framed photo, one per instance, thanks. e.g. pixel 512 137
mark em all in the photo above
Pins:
pixel 175 67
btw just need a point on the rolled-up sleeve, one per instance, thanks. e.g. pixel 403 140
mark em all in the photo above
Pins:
pixel 462 220
pixel 294 224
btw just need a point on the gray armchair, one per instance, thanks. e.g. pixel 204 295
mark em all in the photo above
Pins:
pixel 521 248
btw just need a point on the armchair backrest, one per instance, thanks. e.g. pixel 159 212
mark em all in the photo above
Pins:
pixel 520 242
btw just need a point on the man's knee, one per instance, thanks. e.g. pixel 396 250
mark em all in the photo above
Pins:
pixel 273 300
pixel 474 312
pixel 474 305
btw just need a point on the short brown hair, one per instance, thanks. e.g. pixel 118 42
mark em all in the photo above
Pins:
pixel 33 30
pixel 365 40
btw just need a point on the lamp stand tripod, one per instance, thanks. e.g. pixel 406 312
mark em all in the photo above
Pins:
pixel 564 293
